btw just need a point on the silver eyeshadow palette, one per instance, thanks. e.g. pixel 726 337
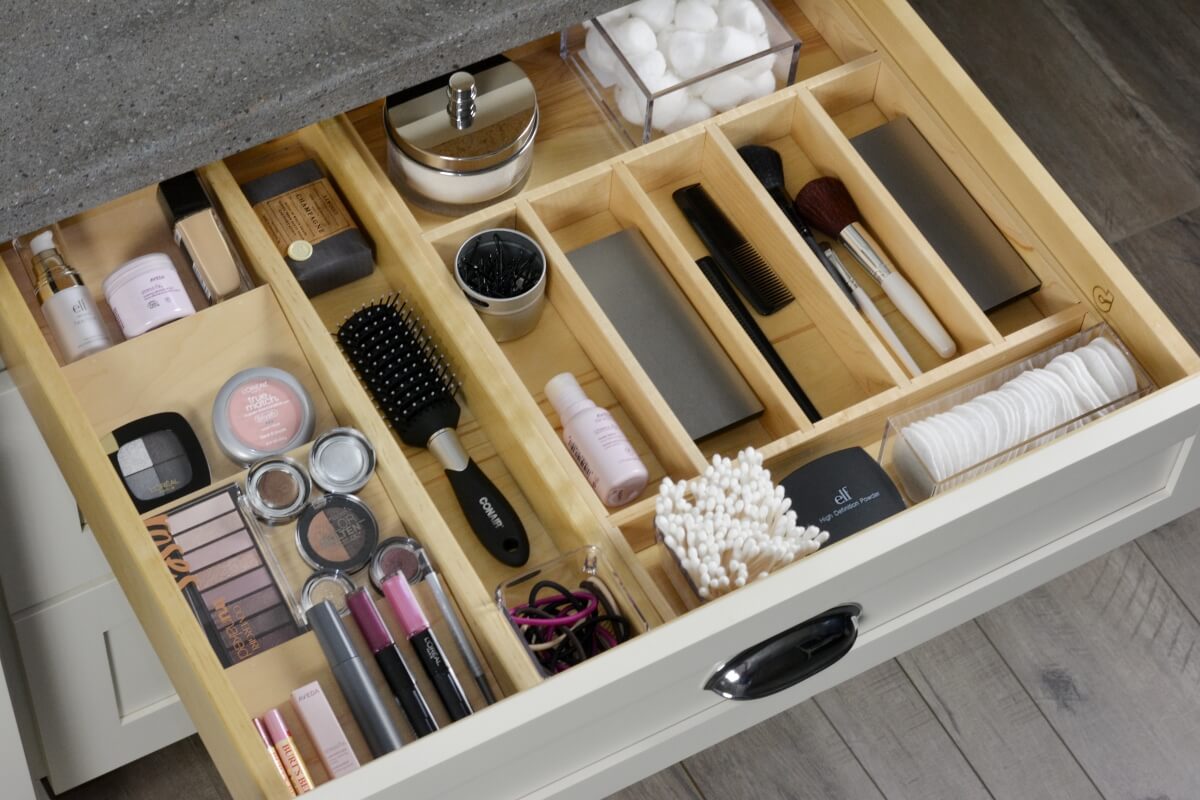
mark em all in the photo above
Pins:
pixel 229 575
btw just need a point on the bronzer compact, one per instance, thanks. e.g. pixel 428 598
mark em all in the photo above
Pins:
pixel 159 459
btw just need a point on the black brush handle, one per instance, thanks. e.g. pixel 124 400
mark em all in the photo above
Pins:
pixel 802 227
pixel 760 340
pixel 490 515
pixel 720 237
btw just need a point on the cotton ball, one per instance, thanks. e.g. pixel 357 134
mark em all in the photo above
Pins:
pixel 631 103
pixel 611 18
pixel 741 14
pixel 762 85
pixel 727 91
pixel 668 107
pixel 650 66
pixel 696 110
pixel 657 13
pixel 634 37
pixel 687 53
pixel 693 15
pixel 757 67
pixel 600 57
pixel 664 38
pixel 726 45
pixel 783 65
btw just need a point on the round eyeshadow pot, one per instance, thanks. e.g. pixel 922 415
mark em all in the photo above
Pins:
pixel 277 489
pixel 341 460
pixel 337 532
pixel 326 584
pixel 262 412
pixel 398 555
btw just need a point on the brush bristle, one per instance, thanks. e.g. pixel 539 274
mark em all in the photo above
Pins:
pixel 403 369
pixel 765 163
pixel 772 292
pixel 827 204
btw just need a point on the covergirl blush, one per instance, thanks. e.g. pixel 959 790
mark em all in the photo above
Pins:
pixel 262 412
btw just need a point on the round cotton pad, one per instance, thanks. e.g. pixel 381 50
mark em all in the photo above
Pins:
pixel 1120 361
pixel 1091 388
pixel 1102 371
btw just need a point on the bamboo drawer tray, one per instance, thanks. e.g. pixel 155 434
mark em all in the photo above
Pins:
pixel 620 717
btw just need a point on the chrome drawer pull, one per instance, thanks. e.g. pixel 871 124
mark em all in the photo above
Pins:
pixel 788 657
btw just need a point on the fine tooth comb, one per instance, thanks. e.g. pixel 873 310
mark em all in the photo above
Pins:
pixel 736 257
pixel 414 387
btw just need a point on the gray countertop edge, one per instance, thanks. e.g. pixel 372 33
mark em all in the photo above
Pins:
pixel 146 98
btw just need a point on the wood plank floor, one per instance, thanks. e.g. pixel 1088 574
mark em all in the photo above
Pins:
pixel 1088 687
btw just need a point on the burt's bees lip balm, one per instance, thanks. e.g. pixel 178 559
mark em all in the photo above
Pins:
pixel 285 746
pixel 261 727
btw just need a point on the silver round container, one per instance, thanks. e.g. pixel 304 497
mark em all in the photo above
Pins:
pixel 341 460
pixel 326 584
pixel 506 318
pixel 262 412
pixel 464 140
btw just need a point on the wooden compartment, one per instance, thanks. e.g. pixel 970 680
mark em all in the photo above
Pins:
pixel 869 93
pixel 584 188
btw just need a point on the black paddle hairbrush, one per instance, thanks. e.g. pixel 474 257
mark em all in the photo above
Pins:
pixel 414 388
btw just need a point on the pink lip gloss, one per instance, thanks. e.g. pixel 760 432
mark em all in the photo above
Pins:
pixel 433 658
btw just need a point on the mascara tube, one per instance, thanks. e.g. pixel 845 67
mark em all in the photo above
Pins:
pixel 351 673
pixel 391 662
pixel 433 658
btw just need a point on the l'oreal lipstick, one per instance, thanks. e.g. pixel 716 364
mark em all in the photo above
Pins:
pixel 433 658
pixel 391 662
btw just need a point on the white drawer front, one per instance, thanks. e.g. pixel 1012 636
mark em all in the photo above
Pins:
pixel 99 693
pixel 47 552
pixel 642 706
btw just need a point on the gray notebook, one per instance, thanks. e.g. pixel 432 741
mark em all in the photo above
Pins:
pixel 670 341
pixel 943 210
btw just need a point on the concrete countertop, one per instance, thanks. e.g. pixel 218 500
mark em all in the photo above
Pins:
pixel 102 97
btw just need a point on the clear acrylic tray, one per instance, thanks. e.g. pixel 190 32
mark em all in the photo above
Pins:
pixel 916 477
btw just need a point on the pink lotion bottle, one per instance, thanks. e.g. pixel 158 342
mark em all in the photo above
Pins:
pixel 597 444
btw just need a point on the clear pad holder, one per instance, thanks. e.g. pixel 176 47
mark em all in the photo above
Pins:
pixel 916 477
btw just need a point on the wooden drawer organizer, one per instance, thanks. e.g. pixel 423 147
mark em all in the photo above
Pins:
pixel 852 79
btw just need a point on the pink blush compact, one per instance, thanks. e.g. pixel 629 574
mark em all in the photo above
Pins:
pixel 262 412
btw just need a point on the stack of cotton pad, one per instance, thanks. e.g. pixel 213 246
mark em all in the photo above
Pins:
pixel 1034 403
pixel 671 41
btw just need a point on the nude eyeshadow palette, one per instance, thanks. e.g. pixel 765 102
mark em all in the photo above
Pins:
pixel 242 606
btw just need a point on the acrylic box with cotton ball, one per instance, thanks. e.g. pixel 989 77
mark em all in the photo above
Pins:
pixel 658 66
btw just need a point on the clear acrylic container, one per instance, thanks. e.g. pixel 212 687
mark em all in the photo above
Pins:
pixel 641 108
pixel 916 477
pixel 571 570
pixel 679 577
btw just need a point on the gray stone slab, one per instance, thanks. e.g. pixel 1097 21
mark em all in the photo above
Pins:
pixel 101 98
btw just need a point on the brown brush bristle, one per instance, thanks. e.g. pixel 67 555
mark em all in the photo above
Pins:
pixel 827 204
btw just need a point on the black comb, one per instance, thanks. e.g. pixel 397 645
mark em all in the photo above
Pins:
pixel 414 387
pixel 760 340
pixel 736 257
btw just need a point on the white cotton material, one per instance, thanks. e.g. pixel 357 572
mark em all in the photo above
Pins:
pixel 743 15
pixel 687 53
pixel 762 85
pixel 757 67
pixel 783 65
pixel 611 18
pixel 634 37
pixel 600 58
pixel 649 66
pixel 668 107
pixel 632 105
pixel 657 13
pixel 727 45
pixel 727 91
pixel 694 15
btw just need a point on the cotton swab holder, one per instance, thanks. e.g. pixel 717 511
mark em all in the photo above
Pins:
pixel 728 527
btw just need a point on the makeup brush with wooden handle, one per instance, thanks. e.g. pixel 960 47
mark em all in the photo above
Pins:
pixel 827 204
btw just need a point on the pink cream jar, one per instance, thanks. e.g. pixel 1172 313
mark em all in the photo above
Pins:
pixel 146 293
pixel 262 412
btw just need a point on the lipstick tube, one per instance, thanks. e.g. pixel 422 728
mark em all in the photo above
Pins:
pixel 348 668
pixel 285 746
pixel 391 662
pixel 433 658
pixel 261 727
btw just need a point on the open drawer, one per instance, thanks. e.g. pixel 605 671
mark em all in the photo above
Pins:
pixel 619 717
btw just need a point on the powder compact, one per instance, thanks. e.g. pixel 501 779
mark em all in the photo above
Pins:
pixel 262 412
pixel 277 489
pixel 341 461
pixel 402 555
pixel 337 532
pixel 326 584
pixel 159 459
pixel 842 492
